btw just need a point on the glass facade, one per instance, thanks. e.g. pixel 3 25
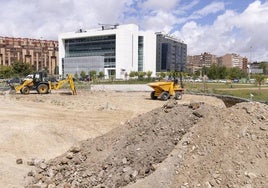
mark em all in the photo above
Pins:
pixel 170 54
pixel 103 46
pixel 140 53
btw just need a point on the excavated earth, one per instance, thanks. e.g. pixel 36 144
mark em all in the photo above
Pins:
pixel 194 144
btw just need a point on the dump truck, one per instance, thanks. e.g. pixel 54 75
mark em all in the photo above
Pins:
pixel 42 84
pixel 165 89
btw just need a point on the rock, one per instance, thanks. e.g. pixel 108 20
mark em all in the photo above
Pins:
pixel 69 155
pixel 170 104
pixel 75 149
pixel 134 174
pixel 197 114
pixel 67 185
pixel 250 175
pixel 43 166
pixel 19 161
pixel 195 105
pixel 264 128
pixel 124 160
pixel 51 186
pixel 39 185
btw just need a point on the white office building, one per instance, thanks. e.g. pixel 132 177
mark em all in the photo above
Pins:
pixel 113 49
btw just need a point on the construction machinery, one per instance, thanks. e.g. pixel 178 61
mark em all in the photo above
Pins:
pixel 165 89
pixel 42 84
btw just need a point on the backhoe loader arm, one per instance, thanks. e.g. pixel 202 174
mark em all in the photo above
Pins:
pixel 60 83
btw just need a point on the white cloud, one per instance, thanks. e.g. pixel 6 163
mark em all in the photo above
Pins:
pixel 212 8
pixel 36 18
pixel 157 5
pixel 231 32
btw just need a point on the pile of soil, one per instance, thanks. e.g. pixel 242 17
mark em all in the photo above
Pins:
pixel 177 145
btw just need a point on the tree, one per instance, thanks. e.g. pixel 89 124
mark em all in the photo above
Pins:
pixel 132 74
pixel 83 74
pixel 259 80
pixel 101 75
pixel 149 74
pixel 263 66
pixel 92 74
pixel 5 71
pixel 141 74
pixel 21 69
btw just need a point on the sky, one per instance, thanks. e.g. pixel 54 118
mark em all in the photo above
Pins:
pixel 214 26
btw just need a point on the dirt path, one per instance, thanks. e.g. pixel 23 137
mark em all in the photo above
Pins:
pixel 45 126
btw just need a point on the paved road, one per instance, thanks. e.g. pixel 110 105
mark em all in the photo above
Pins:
pixel 122 87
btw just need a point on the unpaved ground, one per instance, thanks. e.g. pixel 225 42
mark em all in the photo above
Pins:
pixel 45 126
pixel 176 145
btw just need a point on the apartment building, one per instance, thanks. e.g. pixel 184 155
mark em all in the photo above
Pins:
pixel 196 62
pixel 41 54
pixel 232 60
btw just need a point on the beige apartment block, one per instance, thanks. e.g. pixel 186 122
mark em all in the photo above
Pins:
pixel 233 60
pixel 41 54
pixel 196 62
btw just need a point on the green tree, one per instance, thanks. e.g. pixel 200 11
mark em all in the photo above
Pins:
pixel 101 75
pixel 132 74
pixel 259 80
pixel 222 72
pixel 263 66
pixel 149 74
pixel 21 69
pixel 212 72
pixel 141 74
pixel 162 75
pixel 83 74
pixel 92 74
pixel 5 71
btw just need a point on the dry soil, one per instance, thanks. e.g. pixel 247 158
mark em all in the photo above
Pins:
pixel 117 139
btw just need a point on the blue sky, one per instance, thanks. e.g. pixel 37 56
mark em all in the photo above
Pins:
pixel 217 27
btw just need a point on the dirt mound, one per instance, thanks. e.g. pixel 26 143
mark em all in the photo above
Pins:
pixel 199 144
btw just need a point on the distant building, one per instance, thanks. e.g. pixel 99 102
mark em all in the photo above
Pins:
pixel 171 53
pixel 116 50
pixel 196 62
pixel 233 60
pixel 42 54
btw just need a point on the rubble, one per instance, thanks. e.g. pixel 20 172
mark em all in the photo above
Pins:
pixel 176 145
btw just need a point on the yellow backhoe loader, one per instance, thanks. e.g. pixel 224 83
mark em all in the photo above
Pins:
pixel 42 84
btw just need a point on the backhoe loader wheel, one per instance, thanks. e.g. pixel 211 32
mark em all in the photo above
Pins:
pixel 25 90
pixel 164 96
pixel 153 95
pixel 178 95
pixel 42 89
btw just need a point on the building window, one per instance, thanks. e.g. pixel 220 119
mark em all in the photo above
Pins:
pixel 103 46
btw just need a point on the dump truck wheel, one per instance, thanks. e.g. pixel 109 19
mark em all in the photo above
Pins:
pixel 25 90
pixel 178 95
pixel 42 89
pixel 153 96
pixel 164 96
